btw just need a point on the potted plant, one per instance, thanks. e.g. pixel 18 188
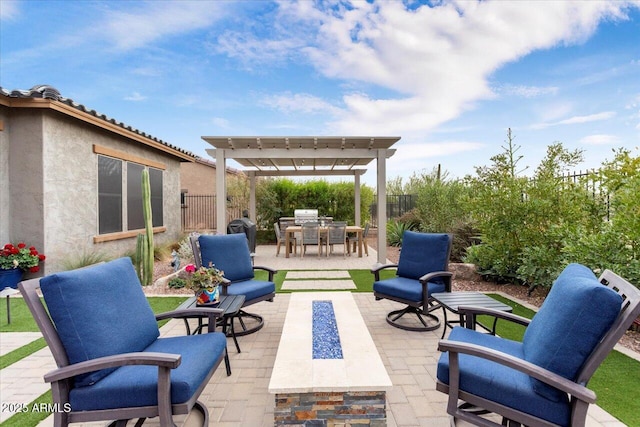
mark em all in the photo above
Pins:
pixel 15 260
pixel 204 281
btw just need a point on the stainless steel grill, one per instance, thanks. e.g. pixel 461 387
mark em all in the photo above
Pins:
pixel 305 215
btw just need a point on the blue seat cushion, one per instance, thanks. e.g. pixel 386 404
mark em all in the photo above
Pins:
pixel 132 386
pixel 408 289
pixel 423 253
pixel 229 253
pixel 99 311
pixel 251 289
pixel 499 383
pixel 574 317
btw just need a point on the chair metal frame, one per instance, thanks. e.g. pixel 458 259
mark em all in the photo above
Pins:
pixel 580 395
pixel 421 309
pixel 62 378
pixel 242 315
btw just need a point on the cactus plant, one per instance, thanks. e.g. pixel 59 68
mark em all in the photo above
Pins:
pixel 144 245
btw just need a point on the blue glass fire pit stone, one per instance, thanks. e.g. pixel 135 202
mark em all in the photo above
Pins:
pixel 326 339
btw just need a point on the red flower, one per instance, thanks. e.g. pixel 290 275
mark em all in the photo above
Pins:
pixel 21 245
pixel 190 268
pixel 34 269
pixel 8 246
pixel 41 257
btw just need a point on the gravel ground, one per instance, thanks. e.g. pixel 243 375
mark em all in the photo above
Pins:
pixel 463 281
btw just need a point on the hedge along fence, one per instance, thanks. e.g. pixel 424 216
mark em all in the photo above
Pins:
pixel 526 229
pixel 276 198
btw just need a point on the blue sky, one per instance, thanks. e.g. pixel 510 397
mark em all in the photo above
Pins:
pixel 448 77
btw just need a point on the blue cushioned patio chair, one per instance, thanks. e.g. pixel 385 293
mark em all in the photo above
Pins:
pixel 542 380
pixel 230 253
pixel 112 364
pixel 422 271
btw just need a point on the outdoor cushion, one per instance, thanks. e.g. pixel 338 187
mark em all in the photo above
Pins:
pixel 251 289
pixel 574 317
pixel 408 289
pixel 422 253
pixel 498 382
pixel 130 386
pixel 95 293
pixel 228 252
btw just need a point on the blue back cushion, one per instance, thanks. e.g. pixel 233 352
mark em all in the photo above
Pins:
pixel 99 311
pixel 229 253
pixel 423 253
pixel 574 317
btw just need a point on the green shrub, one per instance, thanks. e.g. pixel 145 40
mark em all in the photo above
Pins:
pixel 395 230
pixel 177 283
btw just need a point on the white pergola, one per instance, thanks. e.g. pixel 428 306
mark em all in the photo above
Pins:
pixel 303 156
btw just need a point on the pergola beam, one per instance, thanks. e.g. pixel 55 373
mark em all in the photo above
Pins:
pixel 286 156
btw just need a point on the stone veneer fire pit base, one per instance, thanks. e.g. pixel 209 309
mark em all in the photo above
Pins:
pixel 330 390
pixel 331 409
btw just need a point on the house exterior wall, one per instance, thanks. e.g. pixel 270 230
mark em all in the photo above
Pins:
pixel 198 178
pixel 25 180
pixel 53 185
pixel 4 176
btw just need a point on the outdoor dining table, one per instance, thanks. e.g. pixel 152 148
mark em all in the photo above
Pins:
pixel 292 229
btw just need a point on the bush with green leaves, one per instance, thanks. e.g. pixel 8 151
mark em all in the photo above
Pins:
pixel 616 243
pixel 276 198
pixel 525 222
pixel 440 208
pixel 395 230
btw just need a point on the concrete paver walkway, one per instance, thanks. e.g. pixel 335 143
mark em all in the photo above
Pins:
pixel 243 399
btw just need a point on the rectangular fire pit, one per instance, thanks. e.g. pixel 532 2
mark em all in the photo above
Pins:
pixel 327 371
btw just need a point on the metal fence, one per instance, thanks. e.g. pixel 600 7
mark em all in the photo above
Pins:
pixel 199 212
pixel 397 205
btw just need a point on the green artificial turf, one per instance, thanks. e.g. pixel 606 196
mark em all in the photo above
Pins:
pixel 363 279
pixel 615 382
pixel 33 412
pixel 22 321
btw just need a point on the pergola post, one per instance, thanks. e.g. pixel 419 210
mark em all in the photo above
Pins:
pixel 357 198
pixel 252 196
pixel 221 192
pixel 382 206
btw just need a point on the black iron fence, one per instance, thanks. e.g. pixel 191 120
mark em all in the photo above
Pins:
pixel 199 211
pixel 397 205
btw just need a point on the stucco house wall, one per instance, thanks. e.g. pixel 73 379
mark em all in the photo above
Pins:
pixel 49 181
pixel 199 177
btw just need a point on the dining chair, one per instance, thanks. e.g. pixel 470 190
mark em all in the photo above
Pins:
pixel 310 236
pixel 336 235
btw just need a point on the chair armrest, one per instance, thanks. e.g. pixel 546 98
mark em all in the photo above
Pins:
pixel 270 270
pixel 163 360
pixel 470 312
pixel 574 389
pixel 376 270
pixel 429 276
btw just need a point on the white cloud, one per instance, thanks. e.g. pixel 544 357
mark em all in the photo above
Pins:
pixel 600 140
pixel 436 60
pixel 9 10
pixel 417 155
pixel 135 96
pixel 528 91
pixel 606 115
pixel 299 103
pixel 221 122
pixel 132 29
